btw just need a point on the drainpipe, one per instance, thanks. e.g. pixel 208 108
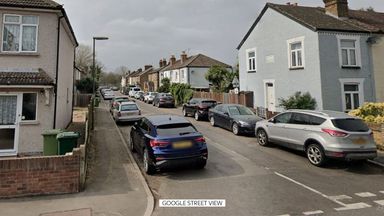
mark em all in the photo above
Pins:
pixel 74 83
pixel 57 70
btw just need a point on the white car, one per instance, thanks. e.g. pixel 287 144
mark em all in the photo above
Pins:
pixel 133 91
pixel 138 95
pixel 126 111
pixel 108 95
pixel 148 98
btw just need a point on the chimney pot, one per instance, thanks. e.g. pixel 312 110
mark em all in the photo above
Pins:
pixel 183 57
pixel 172 60
pixel 146 67
pixel 337 8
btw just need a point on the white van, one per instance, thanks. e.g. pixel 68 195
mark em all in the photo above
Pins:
pixel 133 91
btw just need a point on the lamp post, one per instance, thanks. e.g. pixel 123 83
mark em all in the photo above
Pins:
pixel 94 76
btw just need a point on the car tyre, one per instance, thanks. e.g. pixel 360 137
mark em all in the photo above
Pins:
pixel 130 145
pixel 262 137
pixel 158 105
pixel 235 129
pixel 212 121
pixel 197 116
pixel 148 167
pixel 315 154
pixel 201 164
pixel 185 114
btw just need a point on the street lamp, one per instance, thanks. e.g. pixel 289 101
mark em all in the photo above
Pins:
pixel 93 78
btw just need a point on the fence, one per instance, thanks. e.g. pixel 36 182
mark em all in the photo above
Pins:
pixel 245 98
pixel 82 100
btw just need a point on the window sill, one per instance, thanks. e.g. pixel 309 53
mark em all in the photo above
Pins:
pixel 251 71
pixel 296 68
pixel 29 122
pixel 19 54
pixel 350 67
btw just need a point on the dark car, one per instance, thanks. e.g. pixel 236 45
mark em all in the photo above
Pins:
pixel 166 140
pixel 198 107
pixel 164 99
pixel 237 118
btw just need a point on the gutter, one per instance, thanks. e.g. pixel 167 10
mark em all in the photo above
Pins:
pixel 57 71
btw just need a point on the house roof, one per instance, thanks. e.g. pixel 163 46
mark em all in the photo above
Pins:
pixel 198 60
pixel 40 4
pixel 39 77
pixel 145 71
pixel 157 70
pixel 316 19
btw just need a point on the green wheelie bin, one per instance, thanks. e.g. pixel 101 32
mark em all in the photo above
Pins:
pixel 50 141
pixel 67 141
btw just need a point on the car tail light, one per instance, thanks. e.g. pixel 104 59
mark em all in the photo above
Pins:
pixel 200 139
pixel 335 133
pixel 119 114
pixel 158 143
pixel 162 100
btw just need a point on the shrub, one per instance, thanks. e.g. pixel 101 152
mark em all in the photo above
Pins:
pixel 298 101
pixel 165 85
pixel 85 85
pixel 370 112
pixel 181 92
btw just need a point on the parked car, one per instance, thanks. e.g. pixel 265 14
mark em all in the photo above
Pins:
pixel 108 95
pixel 165 140
pixel 198 107
pixel 115 88
pixel 133 91
pixel 116 100
pixel 164 99
pixel 235 117
pixel 138 95
pixel 126 111
pixel 148 98
pixel 321 134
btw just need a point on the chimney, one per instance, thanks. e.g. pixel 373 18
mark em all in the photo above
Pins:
pixel 139 70
pixel 146 67
pixel 164 62
pixel 161 63
pixel 172 60
pixel 337 8
pixel 183 57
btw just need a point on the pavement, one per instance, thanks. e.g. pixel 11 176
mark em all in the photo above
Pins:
pixel 115 185
pixel 379 160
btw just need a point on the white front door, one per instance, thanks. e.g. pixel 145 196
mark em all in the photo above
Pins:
pixel 9 123
pixel 270 100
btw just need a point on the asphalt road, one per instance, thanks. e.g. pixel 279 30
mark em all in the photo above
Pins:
pixel 256 180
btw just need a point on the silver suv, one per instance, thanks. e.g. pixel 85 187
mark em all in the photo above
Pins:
pixel 321 134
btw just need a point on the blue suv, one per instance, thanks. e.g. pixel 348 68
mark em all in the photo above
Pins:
pixel 163 140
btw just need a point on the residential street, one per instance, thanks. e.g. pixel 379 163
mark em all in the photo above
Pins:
pixel 265 181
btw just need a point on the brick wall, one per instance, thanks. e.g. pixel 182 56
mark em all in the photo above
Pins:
pixel 39 175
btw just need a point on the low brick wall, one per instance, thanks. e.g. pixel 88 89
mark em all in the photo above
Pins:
pixel 31 176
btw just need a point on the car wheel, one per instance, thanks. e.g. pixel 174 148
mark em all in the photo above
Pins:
pixel 262 137
pixel 201 164
pixel 158 105
pixel 185 113
pixel 197 117
pixel 212 121
pixel 130 145
pixel 148 167
pixel 235 128
pixel 315 154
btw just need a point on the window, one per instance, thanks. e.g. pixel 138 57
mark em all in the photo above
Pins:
pixel 353 125
pixel 251 60
pixel 296 53
pixel 283 118
pixel 20 33
pixel 29 107
pixel 302 119
pixel 349 51
pixel 239 110
pixel 352 93
pixel 175 129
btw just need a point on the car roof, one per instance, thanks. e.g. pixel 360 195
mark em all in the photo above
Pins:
pixel 158 120
pixel 324 113
pixel 127 102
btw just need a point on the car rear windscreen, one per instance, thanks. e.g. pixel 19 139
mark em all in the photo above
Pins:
pixel 350 124
pixel 208 103
pixel 175 129
pixel 129 107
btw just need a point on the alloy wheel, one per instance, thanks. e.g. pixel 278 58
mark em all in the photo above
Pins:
pixel 262 138
pixel 184 112
pixel 212 121
pixel 235 129
pixel 197 116
pixel 315 154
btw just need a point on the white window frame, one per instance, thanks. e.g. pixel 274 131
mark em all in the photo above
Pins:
pixel 249 69
pixel 20 23
pixel 37 107
pixel 357 50
pixel 289 43
pixel 352 81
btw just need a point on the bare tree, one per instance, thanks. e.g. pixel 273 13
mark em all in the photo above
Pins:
pixel 84 58
pixel 122 70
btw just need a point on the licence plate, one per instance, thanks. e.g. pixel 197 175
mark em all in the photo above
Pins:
pixel 182 144
pixel 359 141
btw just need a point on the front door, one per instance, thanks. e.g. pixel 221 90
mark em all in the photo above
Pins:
pixel 270 88
pixel 9 123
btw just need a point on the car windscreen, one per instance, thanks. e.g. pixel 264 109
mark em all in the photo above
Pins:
pixel 350 124
pixel 136 89
pixel 175 129
pixel 208 103
pixel 239 110
pixel 128 107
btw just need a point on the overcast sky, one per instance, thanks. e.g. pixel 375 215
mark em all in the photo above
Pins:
pixel 143 31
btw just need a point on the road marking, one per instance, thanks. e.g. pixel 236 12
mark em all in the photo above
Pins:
pixel 365 194
pixel 380 202
pixel 340 197
pixel 317 212
pixel 331 198
pixel 382 192
pixel 284 215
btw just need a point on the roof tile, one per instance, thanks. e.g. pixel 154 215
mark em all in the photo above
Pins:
pixel 25 78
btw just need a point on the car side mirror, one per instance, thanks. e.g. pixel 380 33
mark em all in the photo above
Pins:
pixel 272 120
pixel 226 113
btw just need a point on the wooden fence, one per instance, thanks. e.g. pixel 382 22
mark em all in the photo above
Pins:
pixel 245 98
pixel 82 100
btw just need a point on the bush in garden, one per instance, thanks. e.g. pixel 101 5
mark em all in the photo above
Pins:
pixel 299 101
pixel 181 92
pixel 370 112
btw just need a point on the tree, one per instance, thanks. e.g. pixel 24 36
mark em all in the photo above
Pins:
pixel 181 92
pixel 165 85
pixel 85 85
pixel 110 78
pixel 83 59
pixel 122 70
pixel 299 101
pixel 220 78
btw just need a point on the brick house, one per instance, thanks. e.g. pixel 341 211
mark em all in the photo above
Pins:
pixel 154 77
